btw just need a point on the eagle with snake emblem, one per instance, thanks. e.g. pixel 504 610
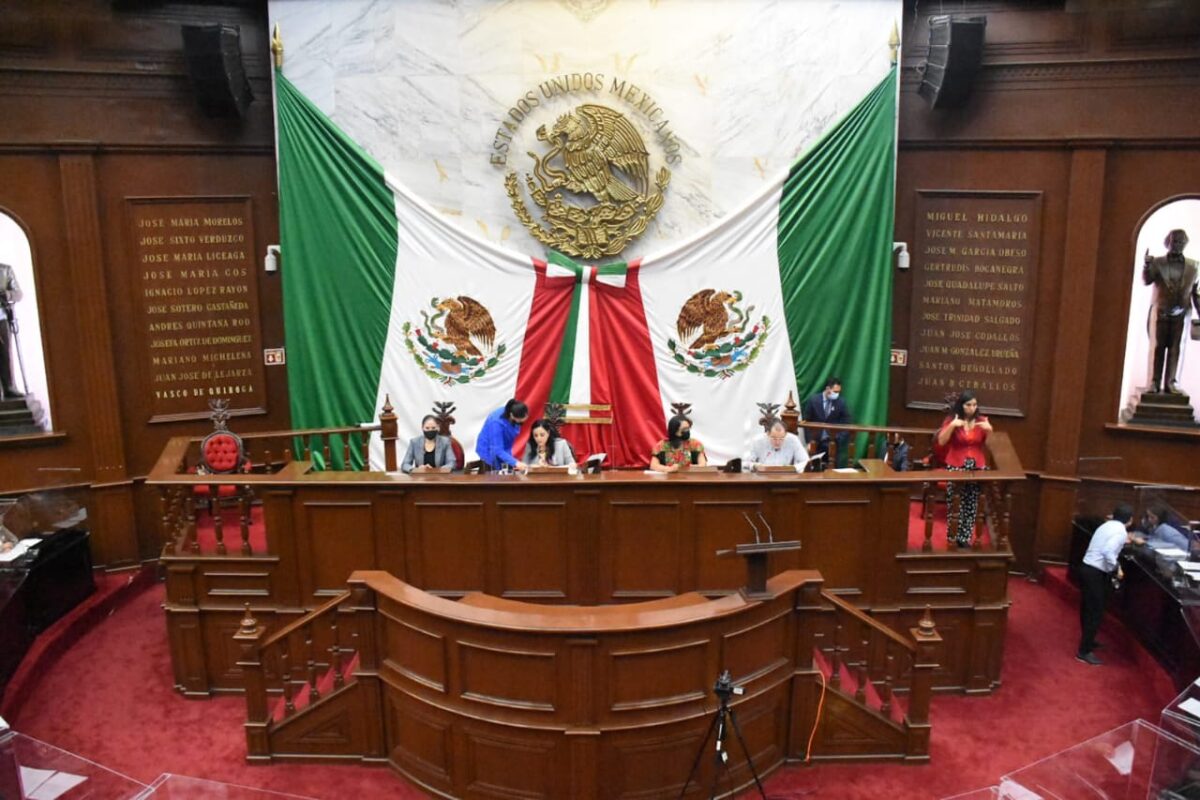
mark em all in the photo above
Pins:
pixel 595 142
pixel 598 155
pixel 708 311
pixel 466 322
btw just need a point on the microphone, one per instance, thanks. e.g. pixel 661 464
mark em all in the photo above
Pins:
pixel 770 535
pixel 757 538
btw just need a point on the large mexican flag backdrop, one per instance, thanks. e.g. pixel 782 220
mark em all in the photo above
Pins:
pixel 383 297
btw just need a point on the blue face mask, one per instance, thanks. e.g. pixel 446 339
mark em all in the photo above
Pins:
pixel 834 395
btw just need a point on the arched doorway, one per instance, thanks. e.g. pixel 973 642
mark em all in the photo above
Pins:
pixel 1178 213
pixel 22 365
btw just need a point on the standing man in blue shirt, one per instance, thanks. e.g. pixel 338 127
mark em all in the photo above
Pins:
pixel 495 441
pixel 1095 574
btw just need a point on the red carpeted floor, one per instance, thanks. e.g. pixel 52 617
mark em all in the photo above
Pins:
pixel 109 698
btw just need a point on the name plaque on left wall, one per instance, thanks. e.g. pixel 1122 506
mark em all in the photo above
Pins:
pixel 196 295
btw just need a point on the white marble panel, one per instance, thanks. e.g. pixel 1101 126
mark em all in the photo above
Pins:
pixel 423 85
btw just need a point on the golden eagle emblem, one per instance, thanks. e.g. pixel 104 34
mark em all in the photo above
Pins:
pixel 602 158
pixel 722 346
pixel 457 343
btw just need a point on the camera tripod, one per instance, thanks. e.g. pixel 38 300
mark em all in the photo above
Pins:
pixel 722 719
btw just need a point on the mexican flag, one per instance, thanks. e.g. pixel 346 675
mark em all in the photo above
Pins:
pixel 384 297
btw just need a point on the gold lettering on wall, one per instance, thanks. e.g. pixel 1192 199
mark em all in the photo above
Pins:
pixel 198 300
pixel 974 264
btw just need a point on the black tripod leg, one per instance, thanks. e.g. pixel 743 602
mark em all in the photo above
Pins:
pixel 719 764
pixel 737 729
pixel 699 755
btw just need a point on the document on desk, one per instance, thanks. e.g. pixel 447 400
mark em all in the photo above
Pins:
pixel 1171 552
pixel 845 470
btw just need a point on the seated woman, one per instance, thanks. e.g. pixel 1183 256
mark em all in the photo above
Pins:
pixel 429 449
pixel 778 447
pixel 959 444
pixel 679 449
pixel 1160 533
pixel 546 448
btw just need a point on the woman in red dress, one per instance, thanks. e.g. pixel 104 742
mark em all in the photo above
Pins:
pixel 960 445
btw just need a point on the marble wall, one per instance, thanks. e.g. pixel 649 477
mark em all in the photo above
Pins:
pixel 743 85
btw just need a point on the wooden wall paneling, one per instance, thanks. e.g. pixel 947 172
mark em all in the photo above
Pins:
pixel 423 653
pixel 447 545
pixel 640 677
pixel 502 765
pixel 220 650
pixel 114 539
pixel 890 537
pixel 1075 307
pixel 828 517
pixel 188 660
pixel 533 550
pixel 390 535
pixel 420 739
pixel 754 652
pixel 987 643
pixel 583 738
pixel 278 507
pixel 719 525
pixel 515 678
pixel 641 547
pixel 585 533
pixel 334 538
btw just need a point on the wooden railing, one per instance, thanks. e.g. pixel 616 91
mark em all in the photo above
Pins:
pixel 294 667
pixel 403 643
pixel 879 663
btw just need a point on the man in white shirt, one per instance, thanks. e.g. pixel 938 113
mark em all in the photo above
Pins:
pixel 778 447
pixel 1095 575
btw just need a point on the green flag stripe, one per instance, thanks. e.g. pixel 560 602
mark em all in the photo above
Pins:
pixel 560 388
pixel 835 242
pixel 338 235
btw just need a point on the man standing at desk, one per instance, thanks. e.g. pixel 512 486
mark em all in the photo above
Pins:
pixel 1095 573
pixel 829 406
pixel 495 441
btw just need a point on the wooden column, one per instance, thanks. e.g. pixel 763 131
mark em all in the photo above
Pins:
pixel 111 514
pixel 1072 340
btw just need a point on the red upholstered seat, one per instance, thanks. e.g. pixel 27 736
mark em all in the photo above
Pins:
pixel 221 452
pixel 459 456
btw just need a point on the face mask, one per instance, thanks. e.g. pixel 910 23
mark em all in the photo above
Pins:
pixel 431 435
pixel 685 435
pixel 834 395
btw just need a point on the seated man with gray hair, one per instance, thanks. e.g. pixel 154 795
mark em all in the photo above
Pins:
pixel 777 447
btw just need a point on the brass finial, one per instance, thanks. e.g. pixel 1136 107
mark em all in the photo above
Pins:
pixel 249 623
pixel 894 42
pixel 926 627
pixel 277 48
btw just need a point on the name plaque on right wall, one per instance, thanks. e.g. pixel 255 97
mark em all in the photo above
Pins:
pixel 974 268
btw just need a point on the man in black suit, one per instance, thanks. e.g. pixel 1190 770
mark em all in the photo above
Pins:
pixel 828 406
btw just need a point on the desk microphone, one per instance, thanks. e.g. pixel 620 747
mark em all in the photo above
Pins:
pixel 770 535
pixel 757 538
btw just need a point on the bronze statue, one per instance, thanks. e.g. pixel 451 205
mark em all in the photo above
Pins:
pixel 10 293
pixel 1175 286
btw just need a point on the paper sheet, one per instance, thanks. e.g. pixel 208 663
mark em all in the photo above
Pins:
pixel 1190 706
pixel 1122 758
pixel 45 784
pixel 1171 552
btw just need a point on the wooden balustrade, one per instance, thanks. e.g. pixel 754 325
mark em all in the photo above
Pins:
pixel 531 678
pixel 874 663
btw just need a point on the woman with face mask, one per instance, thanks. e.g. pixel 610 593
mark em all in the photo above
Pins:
pixel 546 448
pixel 679 450
pixel 430 450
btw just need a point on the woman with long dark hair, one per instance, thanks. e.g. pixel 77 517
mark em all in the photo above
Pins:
pixel 431 449
pixel 960 445
pixel 546 448
pixel 679 450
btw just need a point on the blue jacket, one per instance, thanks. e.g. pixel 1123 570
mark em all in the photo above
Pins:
pixel 495 441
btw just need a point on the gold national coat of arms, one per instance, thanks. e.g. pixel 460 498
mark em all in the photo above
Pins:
pixel 598 156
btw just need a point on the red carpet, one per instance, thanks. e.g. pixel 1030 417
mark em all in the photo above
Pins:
pixel 109 698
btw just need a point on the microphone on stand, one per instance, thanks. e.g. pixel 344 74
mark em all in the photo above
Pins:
pixel 757 538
